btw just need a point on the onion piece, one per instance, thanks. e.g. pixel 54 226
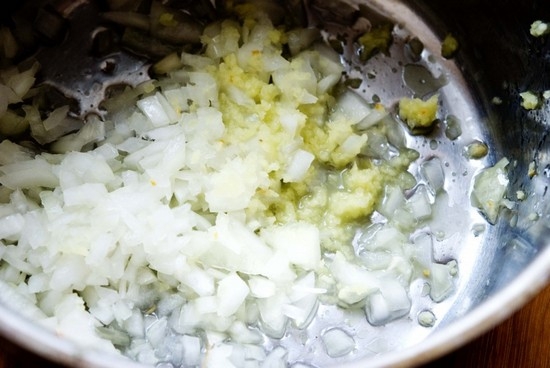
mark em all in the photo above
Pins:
pixel 351 106
pixel 93 131
pixel 304 301
pixel 22 82
pixel 7 97
pixel 12 124
pixel 242 334
pixel 261 287
pixel 28 174
pixel 12 152
pixel 153 108
pixel 419 203
pixel 232 291
pixel 167 64
pixel 393 200
pixel 300 242
pixel 298 166
pixel 55 126
pixel 422 249
pixel 302 38
pixel 55 118
pixel 389 303
pixel 337 342
pixel 10 226
pixel 489 188
pixel 197 62
pixel 191 350
pixel 441 281
pixel 432 172
pixel 9 295
pixel 272 320
pixel 377 114
pixel 354 282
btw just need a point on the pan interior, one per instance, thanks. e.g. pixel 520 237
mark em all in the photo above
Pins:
pixel 488 256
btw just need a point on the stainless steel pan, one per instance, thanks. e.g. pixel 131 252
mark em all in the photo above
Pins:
pixel 502 267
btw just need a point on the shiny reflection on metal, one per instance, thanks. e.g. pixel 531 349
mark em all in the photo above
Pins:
pixel 483 317
pixel 94 65
pixel 502 267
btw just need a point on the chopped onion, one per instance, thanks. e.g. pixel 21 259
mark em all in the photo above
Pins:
pixel 261 287
pixel 28 174
pixel 273 321
pixel 154 108
pixel 393 200
pixel 9 295
pixel 212 210
pixel 298 166
pixel 419 204
pixel 53 127
pixel 93 131
pixel 354 282
pixel 169 63
pixel 489 188
pixel 302 38
pixel 191 350
pixel 337 342
pixel 21 83
pixel 352 107
pixel 232 291
pixel 432 172
pixel 389 303
pixel 12 124
pixel 441 281
pixel 11 152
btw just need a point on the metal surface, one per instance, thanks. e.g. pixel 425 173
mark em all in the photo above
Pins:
pixel 78 56
pixel 93 69
pixel 502 267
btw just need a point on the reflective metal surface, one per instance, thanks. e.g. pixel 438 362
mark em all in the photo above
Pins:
pixel 501 266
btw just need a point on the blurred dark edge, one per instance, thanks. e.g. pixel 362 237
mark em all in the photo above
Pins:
pixel 501 53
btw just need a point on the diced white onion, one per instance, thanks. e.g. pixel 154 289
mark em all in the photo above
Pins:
pixel 392 201
pixel 354 282
pixel 337 342
pixel 489 188
pixel 352 107
pixel 154 108
pixel 298 166
pixel 419 204
pixel 200 202
pixel 300 242
pixel 232 291
pixel 432 171
pixel 28 174
pixel 441 282
pixel 191 350
pixel 261 287
pixel 273 322
pixel 300 39
pixel 389 303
